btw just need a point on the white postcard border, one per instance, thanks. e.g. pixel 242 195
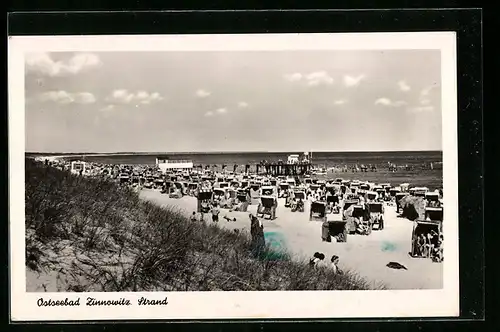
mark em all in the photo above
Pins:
pixel 237 305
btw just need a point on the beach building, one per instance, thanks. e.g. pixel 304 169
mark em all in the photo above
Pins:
pixel 293 159
pixel 166 164
pixel 78 167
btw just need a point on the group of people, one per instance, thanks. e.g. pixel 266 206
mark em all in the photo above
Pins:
pixel 318 258
pixel 430 245
pixel 212 208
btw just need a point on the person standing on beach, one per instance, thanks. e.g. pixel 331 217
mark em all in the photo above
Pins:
pixel 215 213
pixel 204 208
pixel 257 233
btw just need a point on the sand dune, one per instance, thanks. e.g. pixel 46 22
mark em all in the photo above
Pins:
pixel 368 255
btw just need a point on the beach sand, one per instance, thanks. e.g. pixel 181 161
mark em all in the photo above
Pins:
pixel 367 255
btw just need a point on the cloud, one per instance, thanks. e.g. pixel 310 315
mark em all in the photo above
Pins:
pixel 421 109
pixel 312 79
pixel 221 111
pixel 64 97
pixel 427 90
pixel 202 93
pixel 43 63
pixel 295 77
pixel 340 102
pixel 123 96
pixel 403 86
pixel 85 98
pixel 243 104
pixel 352 81
pixel 108 108
pixel 388 102
pixel 318 78
pixel 426 96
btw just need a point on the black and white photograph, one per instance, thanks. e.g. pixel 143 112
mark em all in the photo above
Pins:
pixel 266 173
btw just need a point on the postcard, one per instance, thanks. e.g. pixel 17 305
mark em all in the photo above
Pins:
pixel 258 176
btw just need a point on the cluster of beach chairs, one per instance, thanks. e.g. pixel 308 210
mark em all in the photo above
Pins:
pixel 345 207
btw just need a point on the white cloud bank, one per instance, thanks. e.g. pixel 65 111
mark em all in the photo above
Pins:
pixel 340 102
pixel 243 104
pixel 64 97
pixel 43 63
pixel 123 96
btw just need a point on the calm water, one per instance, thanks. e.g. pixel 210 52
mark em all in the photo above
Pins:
pixel 322 159
pixel 419 176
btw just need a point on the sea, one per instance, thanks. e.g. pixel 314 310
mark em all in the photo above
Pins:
pixel 418 174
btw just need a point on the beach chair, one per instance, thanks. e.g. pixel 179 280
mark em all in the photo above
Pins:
pixel 381 194
pixel 331 202
pixel 318 211
pixel 398 198
pixel 370 195
pixel 432 199
pixel 433 214
pixel 242 201
pixel 363 224
pixel 204 198
pixel 165 188
pixel 283 189
pixel 219 194
pixel 364 187
pixel 192 188
pixel 376 214
pixel 267 207
pixel 425 238
pixel 337 229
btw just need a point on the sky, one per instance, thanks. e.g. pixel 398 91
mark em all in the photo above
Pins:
pixel 197 101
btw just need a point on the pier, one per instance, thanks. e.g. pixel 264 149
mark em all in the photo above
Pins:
pixel 270 169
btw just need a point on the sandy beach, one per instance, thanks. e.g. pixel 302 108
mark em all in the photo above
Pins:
pixel 367 255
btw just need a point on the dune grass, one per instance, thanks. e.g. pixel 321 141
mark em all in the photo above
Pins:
pixel 87 234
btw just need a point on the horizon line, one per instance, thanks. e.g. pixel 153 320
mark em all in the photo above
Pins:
pixel 224 152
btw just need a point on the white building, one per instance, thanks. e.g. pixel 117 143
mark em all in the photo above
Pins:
pixel 78 166
pixel 166 164
pixel 293 159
